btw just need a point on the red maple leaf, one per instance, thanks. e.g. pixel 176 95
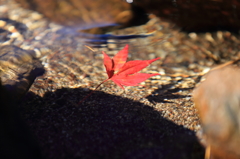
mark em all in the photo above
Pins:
pixel 125 73
pixel 122 72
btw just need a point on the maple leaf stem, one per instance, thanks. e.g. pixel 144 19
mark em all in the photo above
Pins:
pixel 80 102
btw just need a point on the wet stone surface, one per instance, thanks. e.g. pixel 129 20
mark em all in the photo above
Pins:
pixel 158 120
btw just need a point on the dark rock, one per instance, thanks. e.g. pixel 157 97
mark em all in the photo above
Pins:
pixel 16 141
pixel 196 15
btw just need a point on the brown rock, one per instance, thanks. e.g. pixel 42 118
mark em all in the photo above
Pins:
pixel 18 69
pixel 82 13
pixel 217 99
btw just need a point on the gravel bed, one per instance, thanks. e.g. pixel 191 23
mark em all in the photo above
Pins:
pixel 157 120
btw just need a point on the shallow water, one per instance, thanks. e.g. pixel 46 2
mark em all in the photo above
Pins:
pixel 156 120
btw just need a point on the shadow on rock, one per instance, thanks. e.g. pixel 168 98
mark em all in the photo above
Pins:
pixel 16 141
pixel 104 126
